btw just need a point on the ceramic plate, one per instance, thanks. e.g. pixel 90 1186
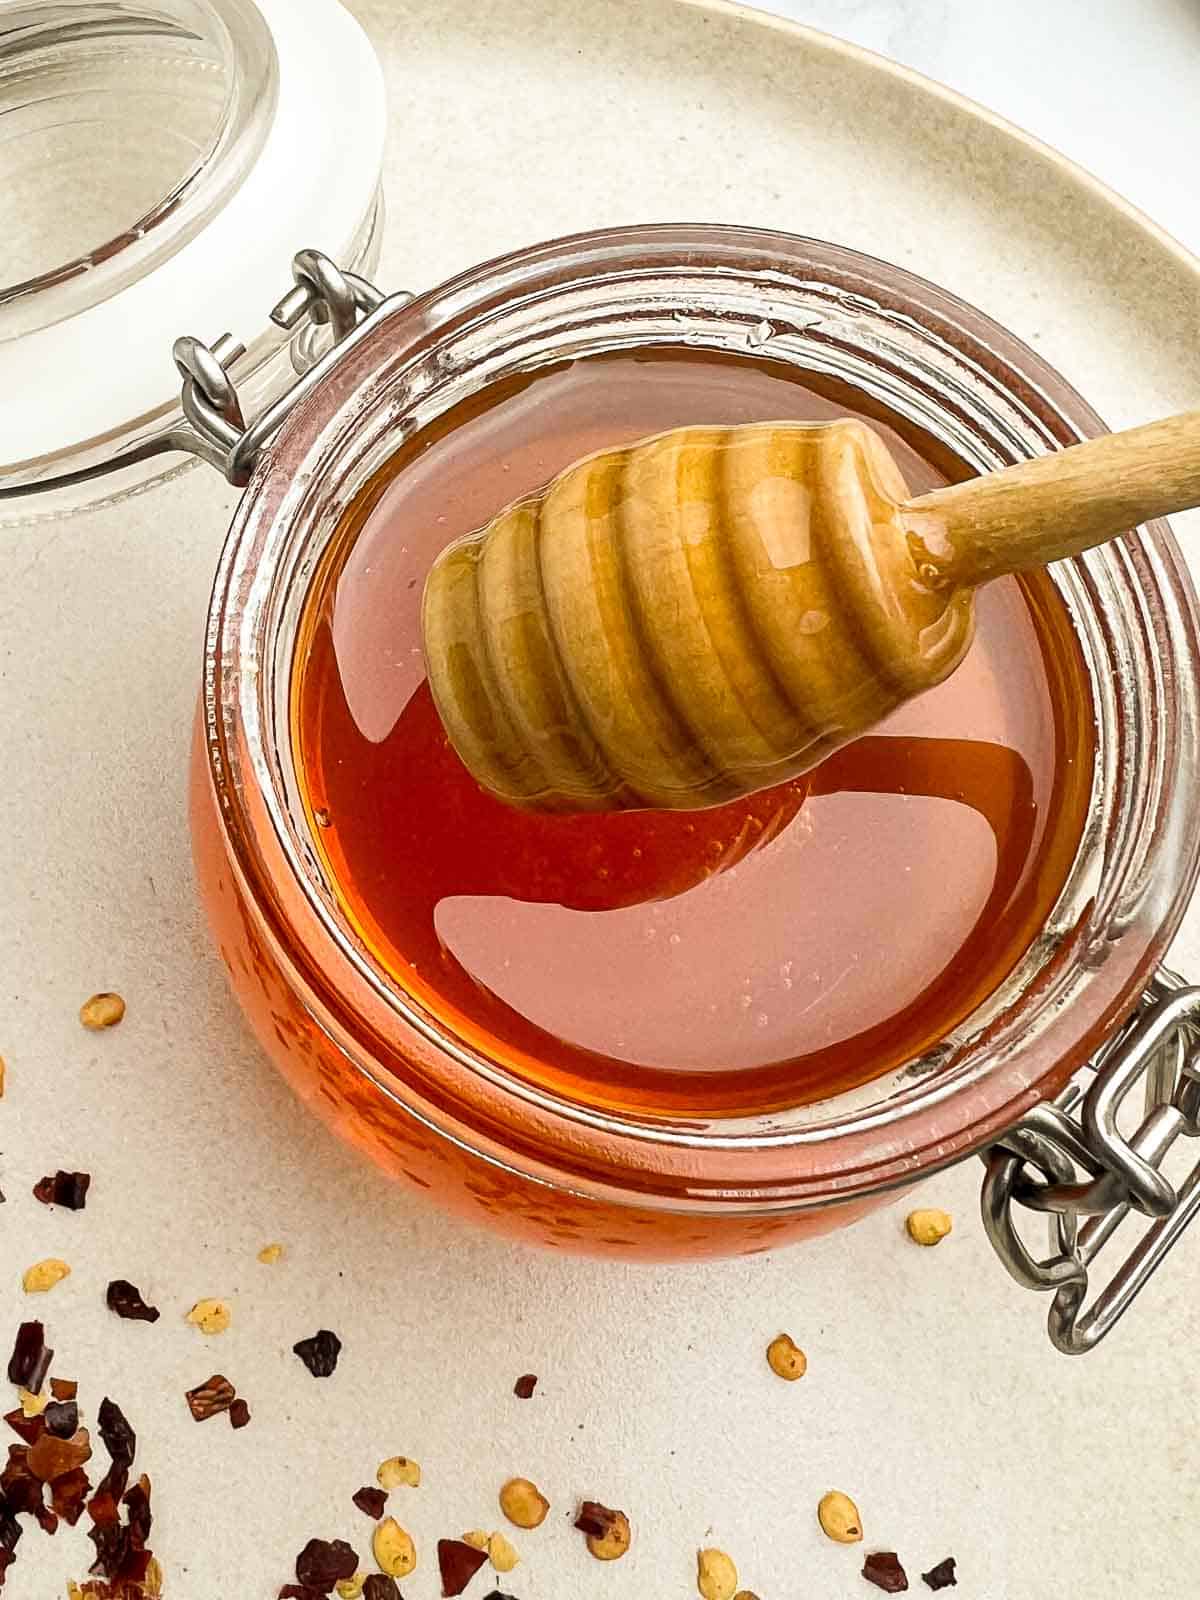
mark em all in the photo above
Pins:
pixel 931 1395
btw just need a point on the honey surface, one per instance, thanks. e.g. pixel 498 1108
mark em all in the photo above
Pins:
pixel 759 954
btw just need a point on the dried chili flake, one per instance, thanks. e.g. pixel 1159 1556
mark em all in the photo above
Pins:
pixel 61 1418
pixel 239 1413
pixel 138 1513
pixel 883 1569
pixel 63 1388
pixel 320 1353
pixel 10 1528
pixel 323 1561
pixel 18 1486
pixel 458 1563
pixel 109 1491
pixel 524 1386
pixel 207 1399
pixel 30 1359
pixel 370 1500
pixel 596 1520
pixel 49 1457
pixel 301 1591
pixel 379 1586
pixel 27 1428
pixel 67 1494
pixel 68 1189
pixel 119 1438
pixel 103 1506
pixel 942 1576
pixel 112 1548
pixel 126 1300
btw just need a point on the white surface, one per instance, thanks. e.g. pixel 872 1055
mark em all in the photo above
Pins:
pixel 303 184
pixel 932 1396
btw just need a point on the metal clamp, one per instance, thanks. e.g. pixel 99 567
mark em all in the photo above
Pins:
pixel 1070 1160
pixel 322 295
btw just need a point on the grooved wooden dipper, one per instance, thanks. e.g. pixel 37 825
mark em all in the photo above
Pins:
pixel 713 610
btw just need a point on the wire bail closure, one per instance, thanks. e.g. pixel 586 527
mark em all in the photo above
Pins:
pixel 1068 1160
pixel 322 296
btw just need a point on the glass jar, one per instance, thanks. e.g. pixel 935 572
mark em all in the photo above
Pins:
pixel 385 1073
pixel 148 163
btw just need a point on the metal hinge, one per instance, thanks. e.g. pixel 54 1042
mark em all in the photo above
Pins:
pixel 1067 1159
pixel 322 295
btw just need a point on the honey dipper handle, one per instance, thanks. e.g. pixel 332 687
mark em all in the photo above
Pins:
pixel 1059 504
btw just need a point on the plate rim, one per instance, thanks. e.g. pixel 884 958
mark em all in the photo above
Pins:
pixel 864 57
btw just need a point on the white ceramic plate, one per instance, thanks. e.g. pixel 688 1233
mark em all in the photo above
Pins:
pixel 931 1395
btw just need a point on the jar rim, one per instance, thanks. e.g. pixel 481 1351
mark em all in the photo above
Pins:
pixel 1138 860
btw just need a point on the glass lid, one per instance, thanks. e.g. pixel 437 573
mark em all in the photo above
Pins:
pixel 159 159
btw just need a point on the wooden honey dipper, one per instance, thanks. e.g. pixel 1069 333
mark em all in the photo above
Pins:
pixel 714 610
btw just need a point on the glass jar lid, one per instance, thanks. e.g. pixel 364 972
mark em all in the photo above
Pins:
pixel 158 159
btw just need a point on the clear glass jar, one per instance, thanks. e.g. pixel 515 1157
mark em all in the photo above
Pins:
pixel 147 165
pixel 386 1073
pixel 177 96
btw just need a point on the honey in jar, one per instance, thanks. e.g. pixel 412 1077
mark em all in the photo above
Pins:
pixel 761 954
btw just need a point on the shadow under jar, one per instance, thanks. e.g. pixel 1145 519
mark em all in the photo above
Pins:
pixel 708 1033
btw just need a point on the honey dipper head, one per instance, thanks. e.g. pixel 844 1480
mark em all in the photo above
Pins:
pixel 687 619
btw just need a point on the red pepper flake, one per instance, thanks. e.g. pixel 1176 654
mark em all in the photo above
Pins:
pixel 942 1576
pixel 301 1591
pixel 19 1488
pixel 458 1564
pixel 594 1519
pixel 112 1548
pixel 524 1387
pixel 63 1388
pixel 126 1300
pixel 61 1418
pixel 208 1398
pixel 49 1457
pixel 138 1514
pixel 370 1500
pixel 30 1359
pixel 239 1413
pixel 380 1587
pixel 320 1353
pixel 69 1189
pixel 103 1507
pixel 883 1569
pixel 121 1553
pixel 67 1494
pixel 323 1562
pixel 26 1428
pixel 119 1438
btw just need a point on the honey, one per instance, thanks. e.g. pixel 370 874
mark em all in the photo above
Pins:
pixel 766 953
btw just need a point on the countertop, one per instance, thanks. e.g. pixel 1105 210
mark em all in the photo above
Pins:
pixel 932 1394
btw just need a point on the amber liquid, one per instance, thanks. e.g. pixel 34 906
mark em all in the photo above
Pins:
pixel 761 954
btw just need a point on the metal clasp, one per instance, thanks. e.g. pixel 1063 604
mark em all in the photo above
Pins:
pixel 1070 1160
pixel 322 295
